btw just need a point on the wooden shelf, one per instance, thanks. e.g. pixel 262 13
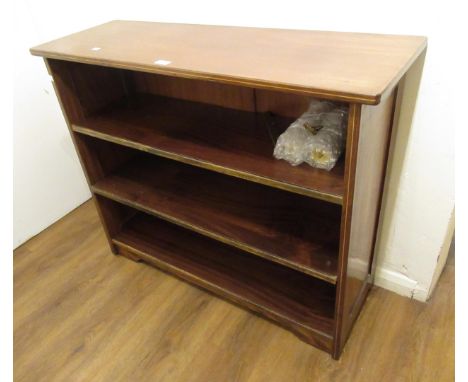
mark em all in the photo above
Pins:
pixel 299 232
pixel 176 136
pixel 292 298
pixel 237 143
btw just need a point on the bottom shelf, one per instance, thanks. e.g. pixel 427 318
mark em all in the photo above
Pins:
pixel 297 301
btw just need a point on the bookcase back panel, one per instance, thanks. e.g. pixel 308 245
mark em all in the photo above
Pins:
pixel 230 96
pixel 284 104
pixel 234 97
pixel 95 88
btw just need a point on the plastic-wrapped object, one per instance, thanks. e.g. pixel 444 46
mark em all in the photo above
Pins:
pixel 290 145
pixel 324 148
pixel 317 137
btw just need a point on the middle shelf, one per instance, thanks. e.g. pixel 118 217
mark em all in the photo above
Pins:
pixel 299 232
pixel 234 142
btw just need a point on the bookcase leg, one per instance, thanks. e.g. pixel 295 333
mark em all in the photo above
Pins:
pixel 322 342
pixel 114 249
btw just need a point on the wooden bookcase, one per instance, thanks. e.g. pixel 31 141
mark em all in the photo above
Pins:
pixel 175 127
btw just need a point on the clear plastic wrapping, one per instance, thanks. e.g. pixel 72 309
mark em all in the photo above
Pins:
pixel 317 137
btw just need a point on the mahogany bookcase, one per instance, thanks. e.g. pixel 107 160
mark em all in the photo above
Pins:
pixel 175 127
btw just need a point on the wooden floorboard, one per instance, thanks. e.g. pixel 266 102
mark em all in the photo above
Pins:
pixel 83 314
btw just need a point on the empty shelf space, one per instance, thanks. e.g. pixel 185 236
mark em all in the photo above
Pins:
pixel 299 232
pixel 237 143
pixel 285 295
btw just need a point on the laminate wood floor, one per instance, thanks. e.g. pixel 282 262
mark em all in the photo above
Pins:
pixel 83 314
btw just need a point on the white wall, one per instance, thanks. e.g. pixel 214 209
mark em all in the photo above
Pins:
pixel 420 197
pixel 418 207
pixel 47 178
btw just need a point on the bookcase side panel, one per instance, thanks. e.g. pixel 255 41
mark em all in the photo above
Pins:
pixel 362 208
pixel 78 100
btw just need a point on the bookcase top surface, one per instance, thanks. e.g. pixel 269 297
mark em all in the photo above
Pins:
pixel 353 67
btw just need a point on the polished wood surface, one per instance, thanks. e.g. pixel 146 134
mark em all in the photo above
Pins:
pixel 224 140
pixel 352 139
pixel 125 117
pixel 280 103
pixel 353 67
pixel 299 232
pixel 302 303
pixel 84 89
pixel 209 92
pixel 100 158
pixel 219 94
pixel 81 314
pixel 369 131
pixel 75 102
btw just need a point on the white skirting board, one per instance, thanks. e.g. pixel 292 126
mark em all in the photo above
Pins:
pixel 388 279
pixel 401 284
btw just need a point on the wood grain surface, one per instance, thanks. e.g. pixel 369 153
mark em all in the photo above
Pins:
pixel 82 314
pixel 353 67
pixel 299 232
pixel 367 149
pixel 235 136
pixel 229 141
pixel 302 303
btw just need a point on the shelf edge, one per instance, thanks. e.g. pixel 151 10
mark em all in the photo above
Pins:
pixel 329 278
pixel 331 198
pixel 373 99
